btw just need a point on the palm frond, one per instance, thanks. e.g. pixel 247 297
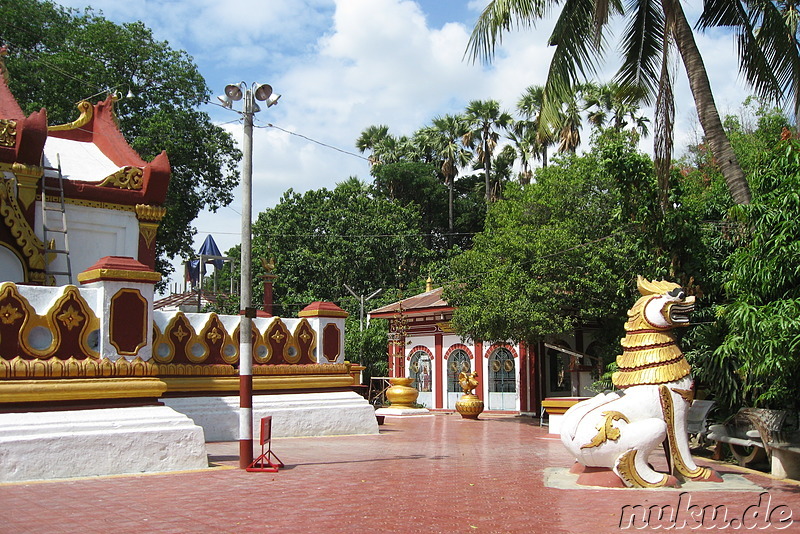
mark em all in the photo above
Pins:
pixel 641 47
pixel 498 17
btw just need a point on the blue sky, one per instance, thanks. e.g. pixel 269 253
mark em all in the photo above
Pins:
pixel 343 65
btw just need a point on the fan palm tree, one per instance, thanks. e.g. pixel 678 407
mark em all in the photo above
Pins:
pixel 485 120
pixel 446 136
pixel 371 137
pixel 613 104
pixel 653 27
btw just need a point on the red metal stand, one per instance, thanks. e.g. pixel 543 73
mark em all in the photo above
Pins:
pixel 264 463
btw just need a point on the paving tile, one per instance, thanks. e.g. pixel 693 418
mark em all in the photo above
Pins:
pixel 421 474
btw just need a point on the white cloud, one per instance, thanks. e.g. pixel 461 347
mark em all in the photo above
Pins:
pixel 343 65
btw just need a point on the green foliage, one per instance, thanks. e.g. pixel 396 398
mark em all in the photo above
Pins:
pixel 58 57
pixel 552 253
pixel 323 239
pixel 367 347
pixel 764 318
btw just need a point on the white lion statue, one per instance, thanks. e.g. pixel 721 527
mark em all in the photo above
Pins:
pixel 619 430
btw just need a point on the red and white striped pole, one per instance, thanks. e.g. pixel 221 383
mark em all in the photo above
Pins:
pixel 245 338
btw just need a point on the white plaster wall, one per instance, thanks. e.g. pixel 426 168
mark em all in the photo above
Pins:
pixel 93 234
pixel 298 414
pixel 10 267
pixel 42 298
pixel 106 290
pixel 77 443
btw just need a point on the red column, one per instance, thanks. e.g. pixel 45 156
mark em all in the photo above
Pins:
pixel 524 369
pixel 268 280
pixel 479 368
pixel 438 376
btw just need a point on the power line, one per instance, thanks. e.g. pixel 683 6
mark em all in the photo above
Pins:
pixel 270 125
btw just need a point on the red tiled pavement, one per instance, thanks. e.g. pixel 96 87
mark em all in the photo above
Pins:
pixel 421 474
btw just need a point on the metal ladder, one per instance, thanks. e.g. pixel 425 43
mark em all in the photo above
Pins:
pixel 51 245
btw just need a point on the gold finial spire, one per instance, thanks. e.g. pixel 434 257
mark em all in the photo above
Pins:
pixel 429 285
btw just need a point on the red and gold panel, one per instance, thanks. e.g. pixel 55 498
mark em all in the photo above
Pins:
pixel 220 346
pixel 306 340
pixel 282 344
pixel 331 342
pixel 128 321
pixel 15 312
pixel 74 322
pixel 180 336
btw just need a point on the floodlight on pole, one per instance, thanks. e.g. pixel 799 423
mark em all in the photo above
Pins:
pixel 234 93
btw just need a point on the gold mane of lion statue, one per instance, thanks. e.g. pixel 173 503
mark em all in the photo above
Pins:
pixel 619 430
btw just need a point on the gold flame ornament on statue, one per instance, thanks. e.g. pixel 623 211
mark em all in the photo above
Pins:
pixel 401 394
pixel 469 405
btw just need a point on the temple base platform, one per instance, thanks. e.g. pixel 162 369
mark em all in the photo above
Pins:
pixel 104 441
pixel 293 414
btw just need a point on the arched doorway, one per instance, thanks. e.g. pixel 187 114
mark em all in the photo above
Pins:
pixel 457 362
pixel 502 380
pixel 421 371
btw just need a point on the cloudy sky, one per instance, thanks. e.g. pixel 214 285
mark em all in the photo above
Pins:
pixel 343 65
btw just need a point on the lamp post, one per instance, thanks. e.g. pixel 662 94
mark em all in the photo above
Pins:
pixel 236 92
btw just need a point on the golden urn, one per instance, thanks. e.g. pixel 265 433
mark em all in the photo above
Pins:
pixel 469 405
pixel 401 394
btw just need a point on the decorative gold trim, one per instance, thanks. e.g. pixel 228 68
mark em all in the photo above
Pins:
pixel 19 227
pixel 70 389
pixel 119 274
pixel 323 313
pixel 606 429
pixel 93 204
pixel 677 462
pixel 19 368
pixel 27 186
pixel 194 369
pixel 8 132
pixel 626 468
pixel 145 212
pixel 260 383
pixel 126 178
pixel 86 109
pixel 148 232
pixel 686 394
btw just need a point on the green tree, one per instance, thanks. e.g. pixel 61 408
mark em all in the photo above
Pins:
pixel 323 239
pixel 58 57
pixel 446 136
pixel 553 253
pixel 652 28
pixel 485 120
pixel 417 184
pixel 763 321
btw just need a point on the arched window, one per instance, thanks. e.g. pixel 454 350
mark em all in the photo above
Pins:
pixel 420 371
pixel 457 363
pixel 502 378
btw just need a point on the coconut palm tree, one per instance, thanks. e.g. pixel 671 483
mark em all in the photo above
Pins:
pixel 529 107
pixel 485 120
pixel 653 26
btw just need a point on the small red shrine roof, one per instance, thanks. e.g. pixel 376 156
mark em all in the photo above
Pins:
pixel 428 302
pixel 96 161
pixel 322 309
